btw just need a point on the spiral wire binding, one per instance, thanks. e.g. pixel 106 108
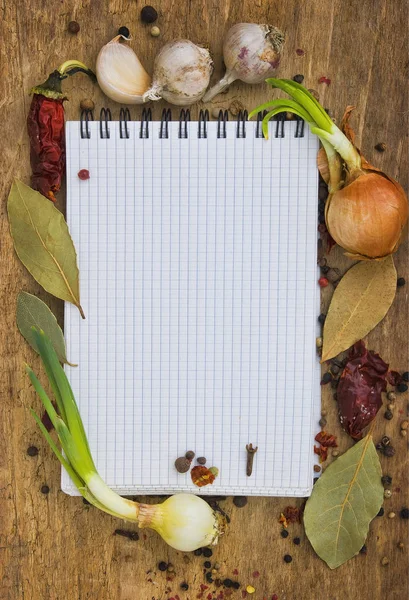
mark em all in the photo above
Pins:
pixel 241 124
pixel 184 117
pixel 203 120
pixel 146 118
pixel 221 124
pixel 86 116
pixel 104 116
pixel 124 118
pixel 164 123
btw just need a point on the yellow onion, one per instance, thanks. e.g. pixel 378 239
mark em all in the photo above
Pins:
pixel 366 211
pixel 368 216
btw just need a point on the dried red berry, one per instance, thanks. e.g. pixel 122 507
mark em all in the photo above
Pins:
pixel 324 80
pixel 323 282
pixel 83 174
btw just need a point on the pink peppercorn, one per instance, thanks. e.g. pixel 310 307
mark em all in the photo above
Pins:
pixel 323 282
pixel 83 174
pixel 324 80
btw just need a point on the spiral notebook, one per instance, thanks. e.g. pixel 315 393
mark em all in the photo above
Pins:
pixel 197 250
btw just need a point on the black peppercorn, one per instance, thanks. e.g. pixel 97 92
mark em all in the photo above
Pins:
pixel 73 27
pixel 124 31
pixel 227 583
pixel 322 318
pixel 209 577
pixel 297 541
pixel 402 387
pixel 388 414
pixel 207 564
pixel 162 566
pixel 32 451
pixel 184 586
pixel 236 585
pixel 381 512
pixel 131 535
pixel 207 552
pixel 198 552
pixel 381 147
pixel 389 451
pixel 363 550
pixel 298 78
pixel 148 14
pixel 288 558
pixel 240 501
pixel 404 513
pixel 326 378
pixel 379 446
pixel 325 269
pixel 405 376
pixel 284 533
pixel 401 282
pixel 386 480
pixel 45 489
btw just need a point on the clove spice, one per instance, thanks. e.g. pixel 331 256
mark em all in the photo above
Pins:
pixel 250 458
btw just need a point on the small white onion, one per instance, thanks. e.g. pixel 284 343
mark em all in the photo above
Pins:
pixel 120 73
pixel 181 73
pixel 251 53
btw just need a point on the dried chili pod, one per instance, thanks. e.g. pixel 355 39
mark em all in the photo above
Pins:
pixel 360 387
pixel 45 125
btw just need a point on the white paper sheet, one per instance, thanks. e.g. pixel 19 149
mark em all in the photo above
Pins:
pixel 198 280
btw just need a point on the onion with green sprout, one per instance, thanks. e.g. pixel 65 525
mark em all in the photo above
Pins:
pixel 185 521
pixel 366 212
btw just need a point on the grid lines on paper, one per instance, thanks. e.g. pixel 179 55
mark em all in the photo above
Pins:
pixel 198 279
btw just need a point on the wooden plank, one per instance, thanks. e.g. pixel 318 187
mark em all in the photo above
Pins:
pixel 55 547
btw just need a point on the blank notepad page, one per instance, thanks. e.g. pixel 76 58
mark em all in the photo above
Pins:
pixel 198 277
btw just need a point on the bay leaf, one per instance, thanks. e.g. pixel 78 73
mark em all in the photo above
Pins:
pixel 33 312
pixel 361 300
pixel 345 499
pixel 43 243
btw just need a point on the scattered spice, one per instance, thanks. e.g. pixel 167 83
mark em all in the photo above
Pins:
pixel 321 319
pixel 184 586
pixel 250 458
pixel 207 552
pixel 298 78
pixel 381 512
pixel 388 414
pixel 83 174
pixel 385 561
pixel 401 281
pixel 322 422
pixel 363 550
pixel 402 388
pixel 240 501
pixel 288 558
pixel 386 480
pixel 182 464
pixel 317 97
pixel 326 378
pixel 403 432
pixel 292 514
pixel 155 31
pixel 324 80
pixel 202 476
pixel 124 31
pixel 394 378
pixel 201 460
pixel 198 552
pixel 359 392
pixel 73 27
pixel 392 515
pixel 87 104
pixel 317 469
pixel 190 455
pixel 385 441
pixel 162 566
pixel 387 493
pixel 404 513
pixel 389 451
pixel 284 533
pixel 214 471
pixel 326 441
pixel 300 52
pixel 131 535
pixel 45 489
pixel 323 282
pixel 391 396
pixel 401 545
pixel 250 589
pixel 32 451
pixel 381 147
pixel 335 453
pixel 405 376
pixel 148 14
pixel 318 342
pixel 235 107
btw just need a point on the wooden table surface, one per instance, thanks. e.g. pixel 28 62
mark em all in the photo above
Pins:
pixel 53 546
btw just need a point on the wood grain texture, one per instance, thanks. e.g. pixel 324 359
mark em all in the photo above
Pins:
pixel 52 547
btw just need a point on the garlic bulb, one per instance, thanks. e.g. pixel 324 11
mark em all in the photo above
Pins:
pixel 181 73
pixel 120 74
pixel 251 53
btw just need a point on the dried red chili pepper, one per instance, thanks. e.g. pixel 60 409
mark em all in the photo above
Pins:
pixel 202 476
pixel 359 390
pixel 45 125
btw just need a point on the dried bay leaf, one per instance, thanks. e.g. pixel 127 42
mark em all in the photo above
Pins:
pixel 33 312
pixel 343 502
pixel 361 300
pixel 43 243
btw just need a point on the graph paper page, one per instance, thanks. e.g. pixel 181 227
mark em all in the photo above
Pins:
pixel 198 280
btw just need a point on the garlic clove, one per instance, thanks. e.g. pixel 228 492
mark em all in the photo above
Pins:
pixel 251 53
pixel 181 73
pixel 120 73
